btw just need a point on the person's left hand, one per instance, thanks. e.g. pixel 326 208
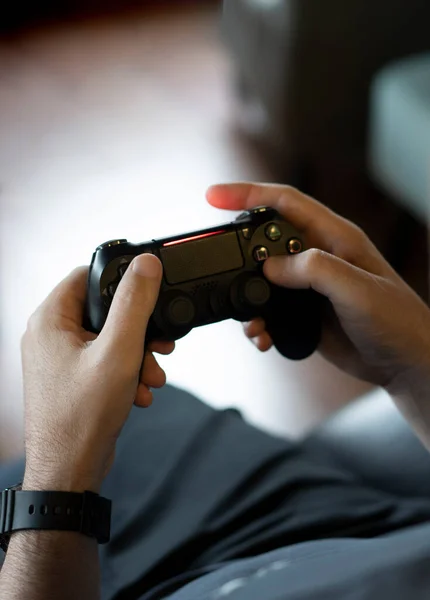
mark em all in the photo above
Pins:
pixel 78 387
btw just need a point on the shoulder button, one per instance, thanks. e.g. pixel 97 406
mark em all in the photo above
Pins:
pixel 111 243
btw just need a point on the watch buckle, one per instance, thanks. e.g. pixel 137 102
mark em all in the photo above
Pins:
pixel 7 499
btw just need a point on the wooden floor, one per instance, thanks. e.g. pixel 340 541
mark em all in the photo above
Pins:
pixel 114 129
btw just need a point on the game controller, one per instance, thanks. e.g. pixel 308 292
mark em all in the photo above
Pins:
pixel 212 275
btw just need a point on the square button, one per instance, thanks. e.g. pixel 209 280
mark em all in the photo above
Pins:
pixel 261 253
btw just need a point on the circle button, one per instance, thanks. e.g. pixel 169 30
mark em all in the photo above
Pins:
pixel 294 246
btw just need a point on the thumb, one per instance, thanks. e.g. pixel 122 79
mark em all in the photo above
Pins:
pixel 133 304
pixel 338 280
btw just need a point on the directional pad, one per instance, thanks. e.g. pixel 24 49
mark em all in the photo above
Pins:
pixel 122 269
pixel 112 287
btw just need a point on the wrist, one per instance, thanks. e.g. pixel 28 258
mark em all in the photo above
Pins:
pixel 61 478
pixel 410 391
pixel 49 466
pixel 413 381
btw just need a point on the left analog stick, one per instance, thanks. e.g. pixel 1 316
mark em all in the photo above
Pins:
pixel 180 311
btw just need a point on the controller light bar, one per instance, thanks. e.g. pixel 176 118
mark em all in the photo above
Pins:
pixel 201 236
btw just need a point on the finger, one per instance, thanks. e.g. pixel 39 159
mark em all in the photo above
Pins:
pixel 152 374
pixel 64 307
pixel 321 227
pixel 254 328
pixel 302 211
pixel 124 331
pixel 144 396
pixel 164 348
pixel 263 342
pixel 344 284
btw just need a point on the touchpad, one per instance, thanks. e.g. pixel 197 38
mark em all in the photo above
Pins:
pixel 187 260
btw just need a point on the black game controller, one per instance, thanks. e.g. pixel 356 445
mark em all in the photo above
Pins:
pixel 212 275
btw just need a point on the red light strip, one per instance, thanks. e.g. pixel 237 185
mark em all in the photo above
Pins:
pixel 194 237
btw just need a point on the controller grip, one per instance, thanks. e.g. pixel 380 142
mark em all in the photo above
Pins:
pixel 294 321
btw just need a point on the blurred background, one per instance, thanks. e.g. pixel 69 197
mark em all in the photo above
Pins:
pixel 116 116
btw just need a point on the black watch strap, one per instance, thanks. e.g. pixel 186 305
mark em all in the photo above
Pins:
pixel 87 513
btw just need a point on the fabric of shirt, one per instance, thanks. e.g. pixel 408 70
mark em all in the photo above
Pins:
pixel 394 567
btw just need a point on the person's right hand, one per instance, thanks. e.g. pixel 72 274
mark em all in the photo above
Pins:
pixel 376 328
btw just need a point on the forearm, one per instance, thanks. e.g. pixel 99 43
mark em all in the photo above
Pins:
pixel 411 393
pixel 57 565
pixel 50 565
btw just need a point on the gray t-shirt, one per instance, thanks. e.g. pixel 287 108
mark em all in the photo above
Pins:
pixel 391 567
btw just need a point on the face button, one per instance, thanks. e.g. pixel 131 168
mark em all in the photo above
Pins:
pixel 261 253
pixel 111 243
pixel 273 232
pixel 294 246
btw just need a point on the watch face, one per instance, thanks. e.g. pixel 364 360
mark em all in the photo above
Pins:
pixel 5 537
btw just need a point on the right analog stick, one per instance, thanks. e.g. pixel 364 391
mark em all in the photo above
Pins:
pixel 249 292
pixel 256 292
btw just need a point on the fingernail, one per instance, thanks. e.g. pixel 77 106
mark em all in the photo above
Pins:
pixel 147 265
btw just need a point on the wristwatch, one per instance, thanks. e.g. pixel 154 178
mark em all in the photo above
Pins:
pixel 86 513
